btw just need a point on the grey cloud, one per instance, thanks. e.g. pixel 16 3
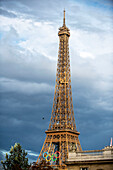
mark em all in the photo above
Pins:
pixel 9 85
pixel 108 3
pixel 7 14
pixel 15 65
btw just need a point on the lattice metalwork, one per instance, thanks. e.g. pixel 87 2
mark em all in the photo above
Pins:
pixel 62 135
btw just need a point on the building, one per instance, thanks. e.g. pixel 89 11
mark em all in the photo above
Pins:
pixel 91 160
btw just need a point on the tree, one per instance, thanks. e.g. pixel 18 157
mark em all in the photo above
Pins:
pixel 16 160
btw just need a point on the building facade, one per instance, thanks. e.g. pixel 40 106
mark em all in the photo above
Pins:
pixel 91 160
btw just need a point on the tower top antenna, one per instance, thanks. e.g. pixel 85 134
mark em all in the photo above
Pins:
pixel 64 18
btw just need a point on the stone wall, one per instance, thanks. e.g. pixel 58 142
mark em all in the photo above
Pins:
pixel 91 167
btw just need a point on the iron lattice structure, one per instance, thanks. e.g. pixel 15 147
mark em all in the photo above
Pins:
pixel 62 135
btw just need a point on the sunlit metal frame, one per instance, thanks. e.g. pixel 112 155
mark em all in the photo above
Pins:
pixel 62 127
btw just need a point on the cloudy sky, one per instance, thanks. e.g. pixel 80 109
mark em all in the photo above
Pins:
pixel 28 59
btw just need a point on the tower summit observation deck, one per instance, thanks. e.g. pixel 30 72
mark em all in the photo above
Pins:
pixel 62 135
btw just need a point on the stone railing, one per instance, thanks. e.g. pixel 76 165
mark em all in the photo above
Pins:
pixel 104 154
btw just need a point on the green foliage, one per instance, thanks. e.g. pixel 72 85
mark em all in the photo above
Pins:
pixel 16 160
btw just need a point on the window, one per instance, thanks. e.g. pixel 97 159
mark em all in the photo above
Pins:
pixel 84 168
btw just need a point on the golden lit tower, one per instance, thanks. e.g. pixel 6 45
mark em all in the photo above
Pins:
pixel 61 135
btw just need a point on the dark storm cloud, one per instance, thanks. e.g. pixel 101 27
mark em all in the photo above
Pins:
pixel 93 112
pixel 24 120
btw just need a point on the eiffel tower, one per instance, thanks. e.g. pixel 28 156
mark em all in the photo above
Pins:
pixel 61 136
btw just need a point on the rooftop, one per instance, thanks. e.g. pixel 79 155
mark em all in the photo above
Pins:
pixel 105 154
